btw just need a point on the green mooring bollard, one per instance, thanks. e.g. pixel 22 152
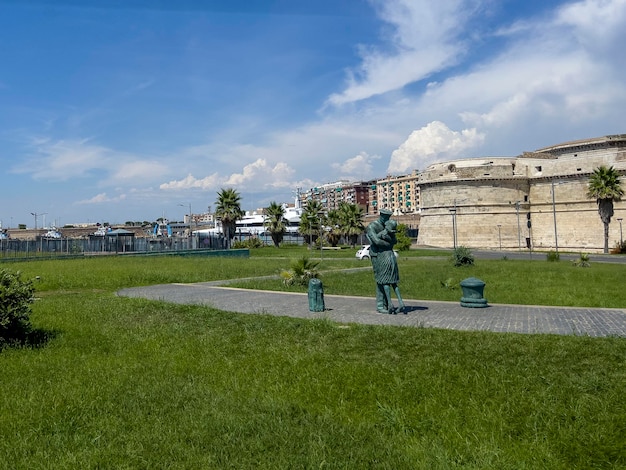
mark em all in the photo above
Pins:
pixel 316 295
pixel 473 293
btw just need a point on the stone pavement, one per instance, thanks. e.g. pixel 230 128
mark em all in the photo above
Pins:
pixel 421 313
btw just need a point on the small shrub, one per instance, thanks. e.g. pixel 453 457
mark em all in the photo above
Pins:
pixel 583 261
pixel 448 284
pixel 16 297
pixel 619 248
pixel 462 256
pixel 252 242
pixel 552 256
pixel 301 272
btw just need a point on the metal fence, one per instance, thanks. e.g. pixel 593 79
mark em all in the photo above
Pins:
pixel 42 247
pixel 49 247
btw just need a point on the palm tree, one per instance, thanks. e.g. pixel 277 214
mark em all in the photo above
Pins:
pixel 275 222
pixel 605 187
pixel 310 220
pixel 333 222
pixel 352 221
pixel 228 211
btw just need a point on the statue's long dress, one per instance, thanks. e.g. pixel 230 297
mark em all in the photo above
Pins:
pixel 386 271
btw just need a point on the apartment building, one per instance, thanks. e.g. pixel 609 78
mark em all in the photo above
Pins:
pixel 331 195
pixel 400 194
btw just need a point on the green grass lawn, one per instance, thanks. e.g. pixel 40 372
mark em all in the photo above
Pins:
pixel 432 277
pixel 131 383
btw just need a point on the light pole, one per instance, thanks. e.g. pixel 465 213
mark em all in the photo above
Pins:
pixel 310 220
pixel 500 236
pixel 453 212
pixel 519 230
pixel 37 215
pixel 621 239
pixel 190 222
pixel 319 215
pixel 556 238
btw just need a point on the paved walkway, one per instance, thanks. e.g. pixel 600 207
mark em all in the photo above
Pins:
pixel 421 313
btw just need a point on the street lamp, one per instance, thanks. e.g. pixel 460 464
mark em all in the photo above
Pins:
pixel 190 221
pixel 320 214
pixel 500 236
pixel 556 240
pixel 37 215
pixel 519 230
pixel 453 212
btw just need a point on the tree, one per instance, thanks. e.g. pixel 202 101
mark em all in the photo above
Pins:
pixel 605 187
pixel 404 241
pixel 351 221
pixel 333 223
pixel 276 222
pixel 228 211
pixel 310 220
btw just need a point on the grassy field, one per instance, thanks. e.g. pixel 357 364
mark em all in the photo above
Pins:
pixel 129 383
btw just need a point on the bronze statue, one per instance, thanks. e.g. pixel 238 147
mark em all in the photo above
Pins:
pixel 382 237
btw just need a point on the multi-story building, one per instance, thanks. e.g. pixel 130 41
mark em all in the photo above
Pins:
pixel 331 195
pixel 400 194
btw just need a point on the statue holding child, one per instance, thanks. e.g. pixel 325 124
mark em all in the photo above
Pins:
pixel 381 234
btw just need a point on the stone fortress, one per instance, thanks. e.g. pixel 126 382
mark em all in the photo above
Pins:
pixel 537 200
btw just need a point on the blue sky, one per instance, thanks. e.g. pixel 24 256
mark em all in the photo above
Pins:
pixel 123 110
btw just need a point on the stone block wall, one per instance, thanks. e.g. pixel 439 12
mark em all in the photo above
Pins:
pixel 484 203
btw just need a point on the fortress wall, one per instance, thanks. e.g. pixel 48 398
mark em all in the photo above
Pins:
pixel 485 193
pixel 578 225
pixel 499 167
pixel 480 207
pixel 581 163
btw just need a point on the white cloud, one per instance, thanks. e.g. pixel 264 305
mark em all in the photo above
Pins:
pixel 423 42
pixel 101 199
pixel 554 80
pixel 190 182
pixel 256 176
pixel 63 159
pixel 431 143
pixel 139 170
pixel 595 22
pixel 356 168
pixel 260 173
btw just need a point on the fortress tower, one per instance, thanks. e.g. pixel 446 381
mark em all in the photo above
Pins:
pixel 489 202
